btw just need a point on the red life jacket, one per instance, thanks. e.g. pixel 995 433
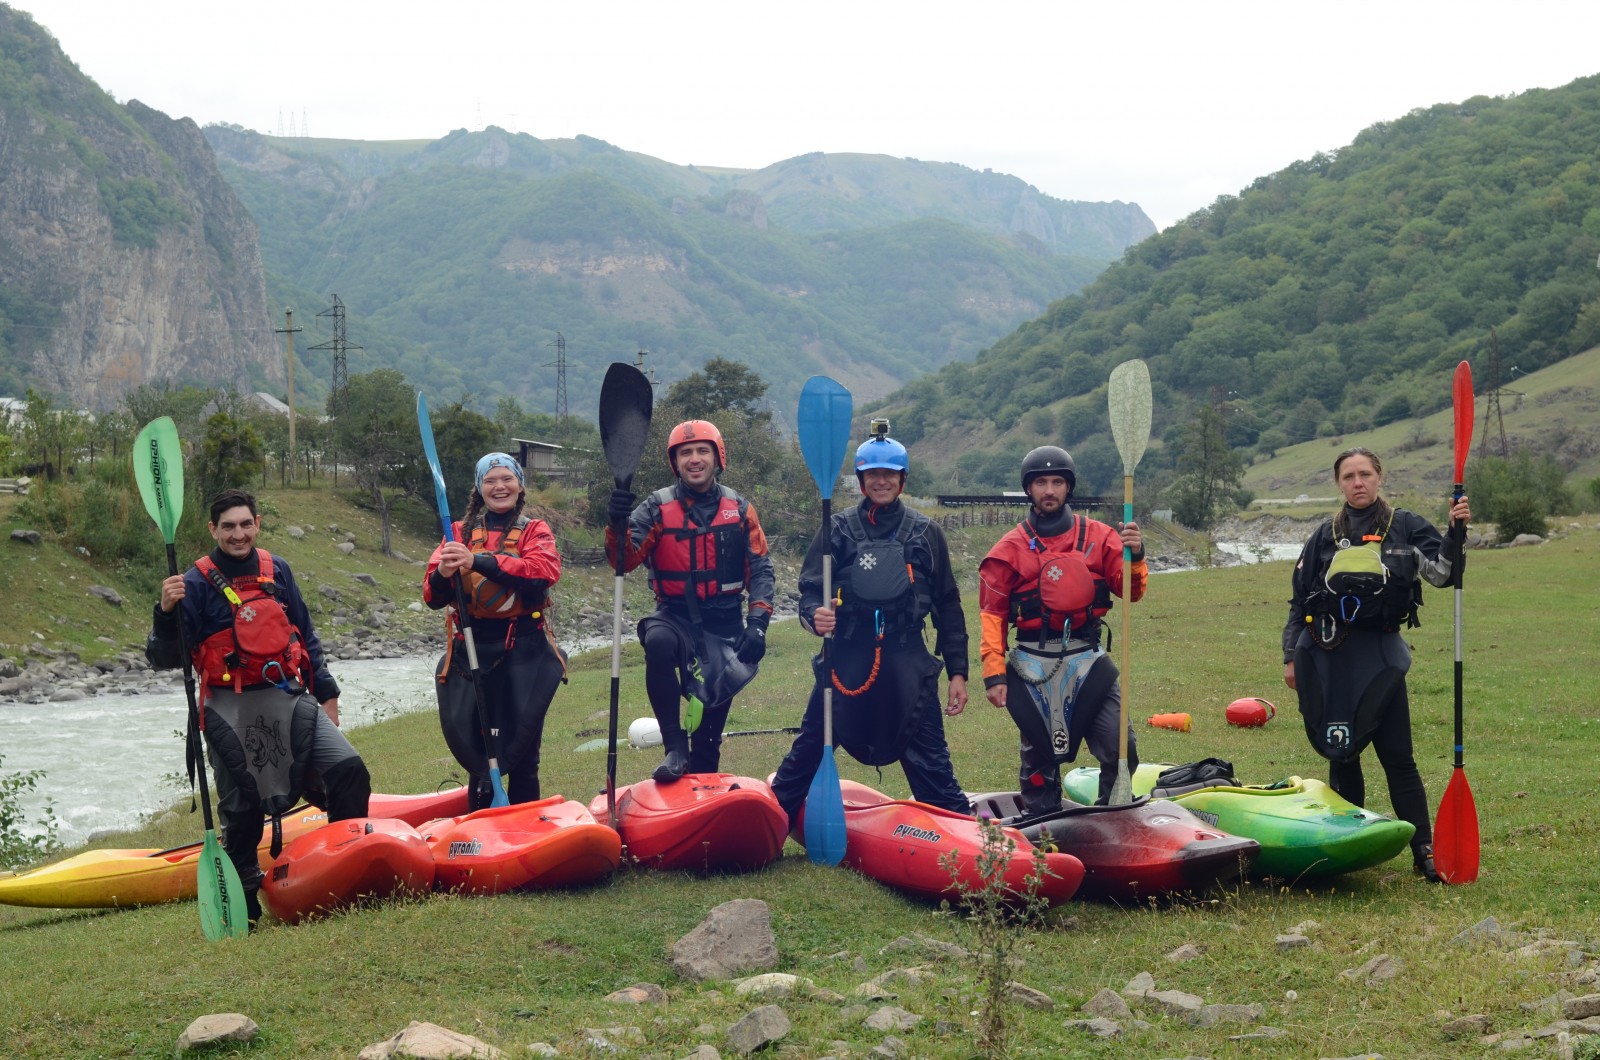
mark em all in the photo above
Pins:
pixel 491 599
pixel 261 646
pixel 713 557
pixel 1056 592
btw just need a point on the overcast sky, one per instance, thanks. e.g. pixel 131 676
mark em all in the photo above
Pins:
pixel 1164 104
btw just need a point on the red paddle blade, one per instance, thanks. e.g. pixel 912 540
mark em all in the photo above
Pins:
pixel 1455 833
pixel 1462 391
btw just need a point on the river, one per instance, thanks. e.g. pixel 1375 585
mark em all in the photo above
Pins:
pixel 111 760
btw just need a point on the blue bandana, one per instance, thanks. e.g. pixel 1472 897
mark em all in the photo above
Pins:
pixel 494 460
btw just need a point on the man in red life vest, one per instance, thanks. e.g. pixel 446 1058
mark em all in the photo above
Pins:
pixel 1052 577
pixel 270 706
pixel 706 552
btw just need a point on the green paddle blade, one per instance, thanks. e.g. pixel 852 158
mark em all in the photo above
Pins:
pixel 1128 400
pixel 222 911
pixel 158 468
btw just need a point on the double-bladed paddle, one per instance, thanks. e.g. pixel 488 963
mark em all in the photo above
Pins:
pixel 1128 399
pixel 625 403
pixel 1456 841
pixel 158 468
pixel 824 421
pixel 486 725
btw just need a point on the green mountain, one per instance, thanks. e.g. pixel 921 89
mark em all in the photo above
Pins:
pixel 1325 299
pixel 461 259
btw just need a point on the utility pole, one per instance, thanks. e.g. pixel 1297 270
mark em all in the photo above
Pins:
pixel 560 365
pixel 339 395
pixel 1491 408
pixel 288 330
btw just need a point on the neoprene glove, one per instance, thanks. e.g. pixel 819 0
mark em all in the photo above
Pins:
pixel 622 502
pixel 752 643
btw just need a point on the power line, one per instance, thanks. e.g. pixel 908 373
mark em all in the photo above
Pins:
pixel 560 365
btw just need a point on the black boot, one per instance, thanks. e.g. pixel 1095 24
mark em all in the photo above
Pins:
pixel 676 763
pixel 1422 863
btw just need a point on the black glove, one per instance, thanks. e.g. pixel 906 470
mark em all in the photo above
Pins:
pixel 752 643
pixel 622 502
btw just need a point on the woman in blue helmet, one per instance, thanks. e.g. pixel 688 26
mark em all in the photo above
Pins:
pixel 891 570
pixel 507 562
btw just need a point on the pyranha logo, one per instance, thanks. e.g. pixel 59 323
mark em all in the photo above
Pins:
pixel 867 562
pixel 926 834
pixel 465 848
pixel 247 614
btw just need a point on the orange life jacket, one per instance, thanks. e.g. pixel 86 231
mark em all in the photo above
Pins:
pixel 491 599
pixel 1056 592
pixel 714 557
pixel 261 646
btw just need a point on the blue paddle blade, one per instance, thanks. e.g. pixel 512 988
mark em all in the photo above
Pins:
pixel 497 785
pixel 425 425
pixel 824 422
pixel 824 823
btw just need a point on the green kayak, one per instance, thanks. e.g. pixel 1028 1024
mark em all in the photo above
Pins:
pixel 1305 829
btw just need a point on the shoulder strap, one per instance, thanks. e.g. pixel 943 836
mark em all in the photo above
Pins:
pixel 265 559
pixel 1083 529
pixel 214 576
pixel 852 523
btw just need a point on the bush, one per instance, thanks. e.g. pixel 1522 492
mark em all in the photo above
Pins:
pixel 15 848
pixel 1498 486
pixel 1521 512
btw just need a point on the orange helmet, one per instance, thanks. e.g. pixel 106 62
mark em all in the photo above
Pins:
pixel 696 431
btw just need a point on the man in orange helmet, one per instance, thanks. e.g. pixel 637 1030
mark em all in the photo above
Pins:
pixel 706 552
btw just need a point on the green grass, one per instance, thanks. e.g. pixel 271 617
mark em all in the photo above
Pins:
pixel 524 968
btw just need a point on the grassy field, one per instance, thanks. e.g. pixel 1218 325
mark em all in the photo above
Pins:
pixel 525 968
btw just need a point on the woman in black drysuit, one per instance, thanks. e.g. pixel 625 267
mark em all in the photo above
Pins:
pixel 1355 585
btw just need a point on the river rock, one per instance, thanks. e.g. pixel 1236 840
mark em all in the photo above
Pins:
pixel 216 1029
pixel 27 537
pixel 429 1041
pixel 106 593
pixel 346 547
pixel 295 532
pixel 735 937
pixel 760 1028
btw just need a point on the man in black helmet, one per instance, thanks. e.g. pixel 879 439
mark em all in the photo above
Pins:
pixel 1052 578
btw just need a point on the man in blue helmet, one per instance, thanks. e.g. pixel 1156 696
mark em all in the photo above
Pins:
pixel 891 571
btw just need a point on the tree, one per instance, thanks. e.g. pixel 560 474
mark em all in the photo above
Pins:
pixel 461 436
pixel 49 435
pixel 231 455
pixel 721 386
pixel 1207 487
pixel 378 428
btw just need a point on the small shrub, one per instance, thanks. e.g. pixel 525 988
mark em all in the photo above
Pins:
pixel 17 849
pixel 1520 512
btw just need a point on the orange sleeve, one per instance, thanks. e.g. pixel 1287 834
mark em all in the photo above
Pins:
pixel 992 648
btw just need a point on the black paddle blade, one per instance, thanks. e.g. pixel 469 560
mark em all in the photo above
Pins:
pixel 625 401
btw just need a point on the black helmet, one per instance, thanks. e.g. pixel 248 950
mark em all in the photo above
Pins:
pixel 1049 460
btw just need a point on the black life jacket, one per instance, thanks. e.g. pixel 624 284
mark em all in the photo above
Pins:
pixel 880 589
pixel 1371 584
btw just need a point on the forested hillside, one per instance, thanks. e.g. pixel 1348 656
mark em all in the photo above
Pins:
pixel 1329 297
pixel 461 259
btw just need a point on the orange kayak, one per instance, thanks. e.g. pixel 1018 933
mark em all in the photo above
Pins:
pixel 339 864
pixel 107 879
pixel 705 822
pixel 554 842
pixel 907 846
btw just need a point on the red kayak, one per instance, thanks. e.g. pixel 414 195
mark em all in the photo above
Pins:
pixel 554 842
pixel 705 822
pixel 345 862
pixel 900 843
pixel 1131 852
pixel 103 879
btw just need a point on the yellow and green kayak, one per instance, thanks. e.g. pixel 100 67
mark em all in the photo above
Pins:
pixel 1305 829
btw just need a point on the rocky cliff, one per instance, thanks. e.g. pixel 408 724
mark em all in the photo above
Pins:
pixel 124 256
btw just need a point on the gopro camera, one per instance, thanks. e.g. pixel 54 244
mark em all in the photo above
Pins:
pixel 880 428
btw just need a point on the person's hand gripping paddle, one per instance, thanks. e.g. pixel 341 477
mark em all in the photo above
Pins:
pixel 158 468
pixel 1128 399
pixel 1455 839
pixel 625 403
pixel 490 730
pixel 824 420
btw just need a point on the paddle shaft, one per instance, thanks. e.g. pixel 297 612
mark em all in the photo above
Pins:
pixel 197 722
pixel 1127 624
pixel 827 641
pixel 1459 534
pixel 616 669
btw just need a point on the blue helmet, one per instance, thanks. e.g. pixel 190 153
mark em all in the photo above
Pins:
pixel 881 451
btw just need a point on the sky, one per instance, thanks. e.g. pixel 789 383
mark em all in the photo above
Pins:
pixel 1167 105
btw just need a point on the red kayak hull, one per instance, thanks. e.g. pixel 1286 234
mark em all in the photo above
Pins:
pixel 901 843
pixel 705 822
pixel 554 842
pixel 1140 850
pixel 345 862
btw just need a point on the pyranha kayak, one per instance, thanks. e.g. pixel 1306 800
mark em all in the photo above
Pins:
pixel 553 842
pixel 108 879
pixel 902 843
pixel 1141 850
pixel 1305 828
pixel 704 822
